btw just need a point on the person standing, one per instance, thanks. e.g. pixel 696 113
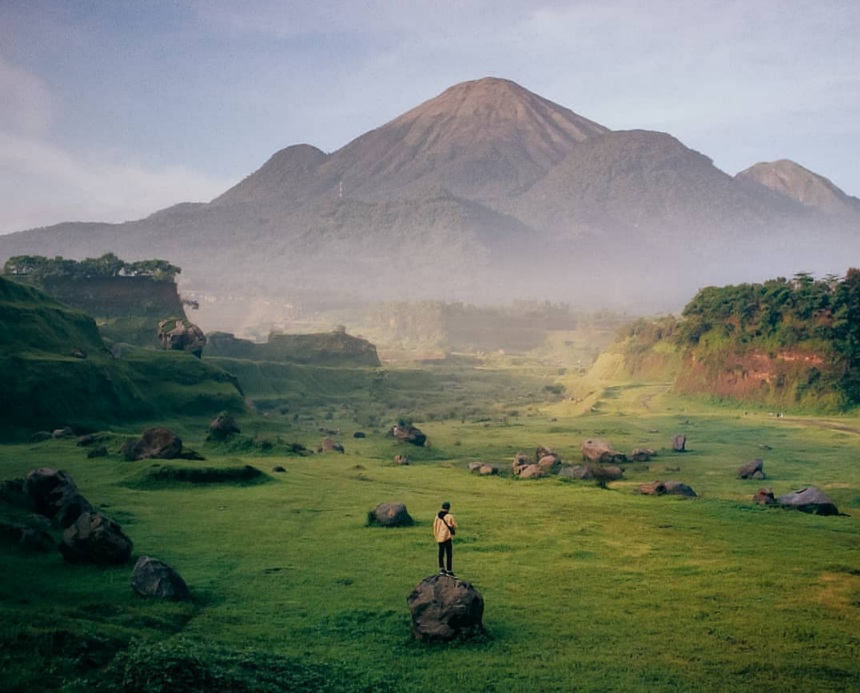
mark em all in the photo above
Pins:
pixel 444 529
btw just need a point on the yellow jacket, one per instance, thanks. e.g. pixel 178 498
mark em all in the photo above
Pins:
pixel 442 528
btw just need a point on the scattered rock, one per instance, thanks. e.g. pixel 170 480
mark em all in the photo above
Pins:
pixel 660 488
pixel 95 538
pixel 444 608
pixel 154 578
pixel 26 538
pixel 390 515
pixel 754 469
pixel 330 445
pixel 809 500
pixel 407 433
pixel 599 450
pixel 531 471
pixel 177 334
pixel 642 454
pixel 222 427
pixel 764 496
pixel 679 443
pixel 54 494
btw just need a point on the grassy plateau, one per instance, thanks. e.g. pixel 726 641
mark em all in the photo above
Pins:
pixel 585 589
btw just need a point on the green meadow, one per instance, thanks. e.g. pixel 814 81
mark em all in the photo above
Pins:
pixel 585 589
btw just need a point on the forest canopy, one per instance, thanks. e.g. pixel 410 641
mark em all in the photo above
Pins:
pixel 37 268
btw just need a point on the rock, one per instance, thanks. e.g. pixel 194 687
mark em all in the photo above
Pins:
pixel 521 461
pixel 390 515
pixel 754 469
pixel 54 494
pixel 598 450
pixel 278 469
pixel 444 608
pixel 599 472
pixel 154 578
pixel 359 434
pixel 677 488
pixel 155 443
pixel 543 451
pixel 64 432
pixel 223 426
pixel 100 451
pixel 577 471
pixel 764 496
pixel 679 443
pixel 642 454
pixel 330 445
pixel 809 500
pixel 550 464
pixel 78 353
pixel 475 466
pixel 95 538
pixel 401 460
pixel 532 471
pixel 176 334
pixel 660 488
pixel 26 538
pixel 485 469
pixel 407 433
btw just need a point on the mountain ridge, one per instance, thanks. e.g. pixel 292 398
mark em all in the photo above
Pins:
pixel 484 193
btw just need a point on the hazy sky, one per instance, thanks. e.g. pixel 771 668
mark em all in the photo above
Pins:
pixel 113 109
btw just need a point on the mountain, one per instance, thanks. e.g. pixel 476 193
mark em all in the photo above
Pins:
pixel 485 193
pixel 801 185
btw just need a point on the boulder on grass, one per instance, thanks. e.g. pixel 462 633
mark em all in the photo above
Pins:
pixel 483 469
pixel 550 464
pixel 754 469
pixel 401 460
pixel 521 461
pixel 661 488
pixel 95 538
pixel 809 500
pixel 532 471
pixel 445 608
pixel 764 496
pixel 679 443
pixel 26 538
pixel 154 578
pixel 407 433
pixel 223 426
pixel 642 454
pixel 600 451
pixel 54 495
pixel 390 515
pixel 155 443
pixel 330 445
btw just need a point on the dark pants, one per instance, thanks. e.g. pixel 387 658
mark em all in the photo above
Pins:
pixel 446 551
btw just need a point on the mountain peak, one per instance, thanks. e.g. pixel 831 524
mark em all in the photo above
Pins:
pixel 801 185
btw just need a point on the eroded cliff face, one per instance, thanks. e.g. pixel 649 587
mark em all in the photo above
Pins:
pixel 118 297
pixel 786 377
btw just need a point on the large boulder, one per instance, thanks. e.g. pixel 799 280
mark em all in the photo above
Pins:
pixel 754 469
pixel 600 451
pixel 444 608
pixel 152 577
pixel 177 334
pixel 95 538
pixel 809 500
pixel 407 433
pixel 390 515
pixel 764 496
pixel 679 443
pixel 521 461
pixel 54 494
pixel 532 471
pixel 550 464
pixel 661 488
pixel 155 443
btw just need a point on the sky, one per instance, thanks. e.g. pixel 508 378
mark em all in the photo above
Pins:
pixel 113 109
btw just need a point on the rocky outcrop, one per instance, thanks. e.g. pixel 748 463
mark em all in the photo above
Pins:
pixel 152 577
pixel 54 495
pixel 390 515
pixel 159 444
pixel 445 608
pixel 809 500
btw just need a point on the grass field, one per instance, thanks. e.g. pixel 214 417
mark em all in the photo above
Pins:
pixel 585 589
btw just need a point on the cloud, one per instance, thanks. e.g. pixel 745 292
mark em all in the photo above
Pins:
pixel 26 107
pixel 52 185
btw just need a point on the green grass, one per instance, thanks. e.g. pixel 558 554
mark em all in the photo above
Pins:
pixel 585 589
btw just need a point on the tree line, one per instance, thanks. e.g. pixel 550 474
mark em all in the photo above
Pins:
pixel 36 268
